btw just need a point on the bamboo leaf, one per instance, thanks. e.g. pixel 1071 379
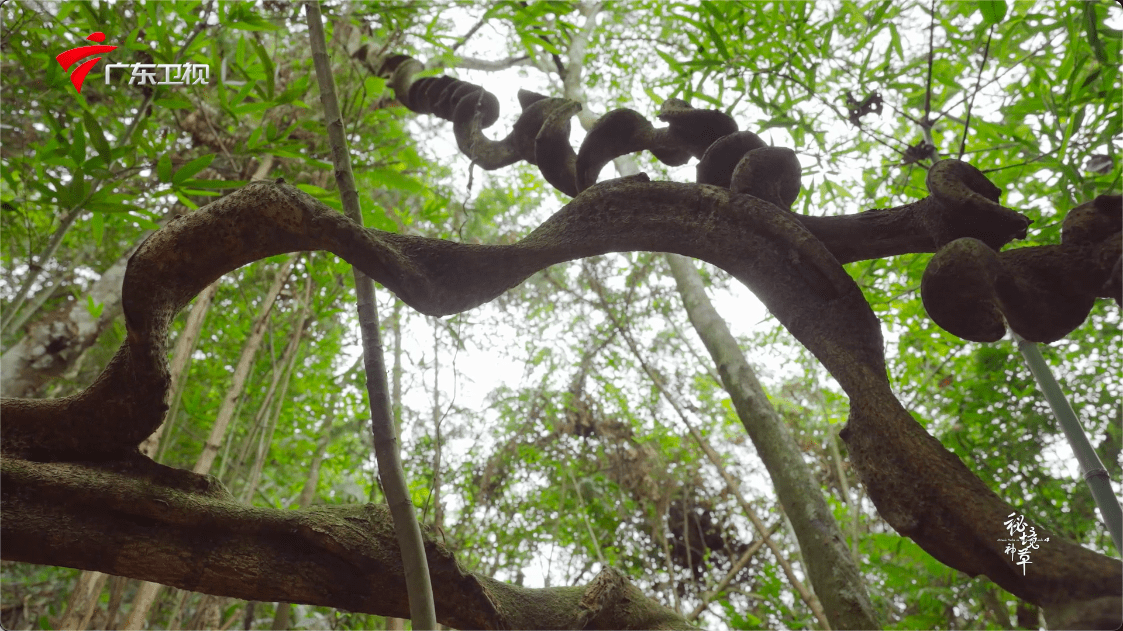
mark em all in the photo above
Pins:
pixel 191 168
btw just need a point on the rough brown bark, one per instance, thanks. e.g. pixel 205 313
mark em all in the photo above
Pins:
pixel 922 489
pixel 182 529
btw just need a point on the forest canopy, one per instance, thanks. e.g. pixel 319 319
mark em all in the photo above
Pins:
pixel 584 420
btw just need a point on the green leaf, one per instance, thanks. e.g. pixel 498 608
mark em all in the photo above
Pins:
pixel 374 85
pixel 377 217
pixel 187 10
pixel 717 41
pixel 390 179
pixel 704 63
pixel 253 25
pixel 76 192
pixel 97 225
pixel 1074 123
pixel 284 153
pixel 779 121
pixel 164 168
pixel 245 90
pixel 878 13
pixel 895 42
pixel 94 308
pixel 103 202
pixel 315 191
pixel 272 134
pixel 1091 23
pixel 330 199
pixel 191 168
pixel 48 192
pixel 1092 76
pixel 993 11
pixel 78 143
pixel 242 16
pixel 248 108
pixel 97 137
pixel 294 91
pixel 269 68
pixel 1070 77
pixel 185 200
pixel 672 63
pixel 712 9
pixel 255 138
pixel 175 103
pixel 707 98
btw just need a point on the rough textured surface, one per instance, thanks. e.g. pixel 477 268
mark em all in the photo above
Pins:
pixel 145 521
pixel 1041 292
pixel 922 489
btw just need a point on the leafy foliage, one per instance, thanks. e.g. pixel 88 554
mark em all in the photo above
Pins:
pixel 579 461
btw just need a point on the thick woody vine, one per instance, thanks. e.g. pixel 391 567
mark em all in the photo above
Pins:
pixel 970 288
pixel 736 218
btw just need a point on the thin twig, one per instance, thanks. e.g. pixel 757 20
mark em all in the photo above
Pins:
pixel 974 93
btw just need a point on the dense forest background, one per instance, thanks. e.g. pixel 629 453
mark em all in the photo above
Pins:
pixel 576 422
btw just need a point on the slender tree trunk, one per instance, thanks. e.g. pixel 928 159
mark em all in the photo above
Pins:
pixel 247 619
pixel 386 448
pixel 208 613
pixel 242 371
pixel 83 600
pixel 280 383
pixel 438 517
pixel 396 624
pixel 830 567
pixel 117 585
pixel 832 571
pixel 283 618
pixel 177 612
pixel 396 377
pixel 145 595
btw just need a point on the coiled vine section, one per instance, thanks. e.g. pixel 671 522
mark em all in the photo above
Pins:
pixel 728 158
pixel 970 288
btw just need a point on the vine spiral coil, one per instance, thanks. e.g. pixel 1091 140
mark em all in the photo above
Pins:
pixel 970 288
pixel 541 136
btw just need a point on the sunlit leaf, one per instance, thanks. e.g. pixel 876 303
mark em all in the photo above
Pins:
pixel 993 11
pixel 189 170
pixel 164 168
pixel 391 179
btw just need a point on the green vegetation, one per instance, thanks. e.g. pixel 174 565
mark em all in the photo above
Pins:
pixel 538 445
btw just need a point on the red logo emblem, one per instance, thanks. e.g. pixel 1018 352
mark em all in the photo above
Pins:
pixel 68 59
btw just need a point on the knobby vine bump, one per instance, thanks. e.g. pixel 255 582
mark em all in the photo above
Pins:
pixel 969 288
